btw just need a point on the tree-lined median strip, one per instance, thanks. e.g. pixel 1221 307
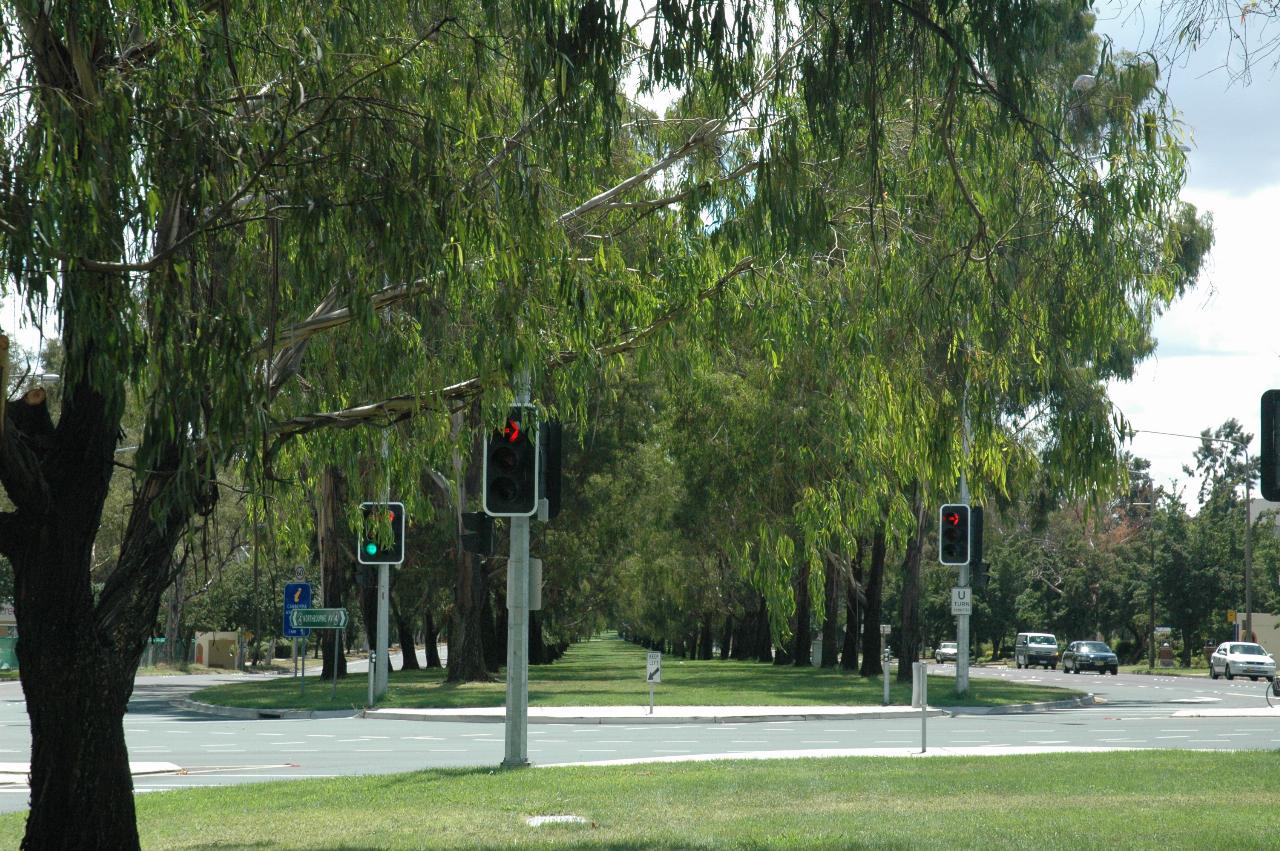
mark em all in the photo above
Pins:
pixel 610 672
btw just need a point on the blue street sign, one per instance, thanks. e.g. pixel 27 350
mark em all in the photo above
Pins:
pixel 297 595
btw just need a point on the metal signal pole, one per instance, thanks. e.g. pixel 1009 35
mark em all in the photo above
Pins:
pixel 517 715
pixel 962 621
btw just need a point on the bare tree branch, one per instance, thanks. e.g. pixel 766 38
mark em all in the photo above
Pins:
pixel 401 407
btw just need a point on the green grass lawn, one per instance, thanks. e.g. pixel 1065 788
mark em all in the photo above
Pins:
pixel 610 672
pixel 1138 799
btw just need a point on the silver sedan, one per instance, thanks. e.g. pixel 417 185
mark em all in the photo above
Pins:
pixel 1240 658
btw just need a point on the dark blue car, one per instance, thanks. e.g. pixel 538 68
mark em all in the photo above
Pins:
pixel 1089 655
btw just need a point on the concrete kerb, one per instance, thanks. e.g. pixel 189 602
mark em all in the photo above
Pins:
pixel 256 714
pixel 630 715
pixel 1022 708
pixel 636 715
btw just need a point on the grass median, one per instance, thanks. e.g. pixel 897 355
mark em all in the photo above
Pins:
pixel 607 671
pixel 1136 799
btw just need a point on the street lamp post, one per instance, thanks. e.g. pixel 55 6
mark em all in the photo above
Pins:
pixel 1151 583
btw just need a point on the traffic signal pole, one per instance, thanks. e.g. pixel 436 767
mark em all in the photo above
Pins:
pixel 517 716
pixel 384 604
pixel 962 621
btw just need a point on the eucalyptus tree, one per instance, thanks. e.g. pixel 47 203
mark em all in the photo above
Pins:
pixel 197 190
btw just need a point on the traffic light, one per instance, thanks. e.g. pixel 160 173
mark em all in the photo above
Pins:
pixel 549 446
pixel 1269 465
pixel 477 533
pixel 979 568
pixel 377 545
pixel 511 467
pixel 953 534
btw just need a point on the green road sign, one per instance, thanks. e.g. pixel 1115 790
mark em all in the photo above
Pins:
pixel 318 618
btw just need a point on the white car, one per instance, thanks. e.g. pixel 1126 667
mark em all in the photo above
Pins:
pixel 1240 658
pixel 948 651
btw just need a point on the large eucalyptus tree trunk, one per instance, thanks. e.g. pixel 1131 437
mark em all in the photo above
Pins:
pixel 334 563
pixel 77 656
pixel 910 632
pixel 404 628
pixel 874 591
pixel 801 649
pixel 431 636
pixel 853 615
pixel 831 614
pixel 466 629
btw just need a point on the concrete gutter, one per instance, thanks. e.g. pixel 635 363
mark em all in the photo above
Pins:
pixel 257 714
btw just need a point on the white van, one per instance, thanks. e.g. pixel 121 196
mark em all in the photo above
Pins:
pixel 1035 648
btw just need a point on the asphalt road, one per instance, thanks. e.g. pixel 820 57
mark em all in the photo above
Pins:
pixel 1134 712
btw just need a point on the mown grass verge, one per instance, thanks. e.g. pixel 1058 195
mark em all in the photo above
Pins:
pixel 1139 799
pixel 610 672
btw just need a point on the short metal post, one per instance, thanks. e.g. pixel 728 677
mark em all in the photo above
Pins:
pixel 884 670
pixel 337 640
pixel 650 697
pixel 302 680
pixel 921 673
pixel 295 655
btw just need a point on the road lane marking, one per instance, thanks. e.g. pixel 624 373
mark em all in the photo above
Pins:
pixel 1173 737
pixel 1049 742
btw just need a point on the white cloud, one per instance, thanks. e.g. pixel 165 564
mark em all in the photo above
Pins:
pixel 1218 347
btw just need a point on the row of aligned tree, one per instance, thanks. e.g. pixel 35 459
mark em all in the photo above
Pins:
pixel 1103 571
pixel 272 235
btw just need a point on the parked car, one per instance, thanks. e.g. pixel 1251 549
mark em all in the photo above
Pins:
pixel 1093 655
pixel 1241 658
pixel 947 651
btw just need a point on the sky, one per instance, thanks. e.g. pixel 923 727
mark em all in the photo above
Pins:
pixel 1216 351
pixel 1217 348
